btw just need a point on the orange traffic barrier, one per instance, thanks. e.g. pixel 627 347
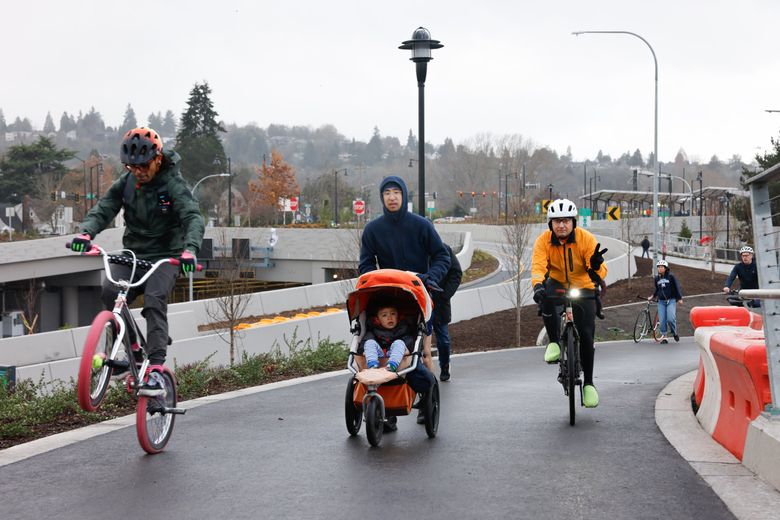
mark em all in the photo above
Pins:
pixel 756 321
pixel 744 380
pixel 698 384
pixel 719 315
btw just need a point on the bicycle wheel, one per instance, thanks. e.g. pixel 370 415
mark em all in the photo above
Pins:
pixel 94 375
pixel 641 326
pixel 352 415
pixel 374 423
pixel 153 426
pixel 571 365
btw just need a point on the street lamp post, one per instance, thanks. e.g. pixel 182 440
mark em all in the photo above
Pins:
pixel 207 177
pixel 700 178
pixel 550 188
pixel 336 194
pixel 506 196
pixel 421 45
pixel 655 146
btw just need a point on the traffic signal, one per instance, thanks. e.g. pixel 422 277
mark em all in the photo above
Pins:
pixel 434 195
pixel 473 193
pixel 484 193
pixel 53 196
pixel 494 194
pixel 460 194
pixel 76 197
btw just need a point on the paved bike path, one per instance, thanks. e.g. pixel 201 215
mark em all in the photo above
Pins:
pixel 504 450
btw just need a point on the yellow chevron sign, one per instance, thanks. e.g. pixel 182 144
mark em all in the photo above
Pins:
pixel 613 213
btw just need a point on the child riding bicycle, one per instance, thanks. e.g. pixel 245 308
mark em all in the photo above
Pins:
pixel 163 220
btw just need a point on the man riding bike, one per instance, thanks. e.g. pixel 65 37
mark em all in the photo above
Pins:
pixel 568 257
pixel 746 272
pixel 162 219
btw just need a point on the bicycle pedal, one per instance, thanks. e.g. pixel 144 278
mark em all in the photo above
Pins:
pixel 175 411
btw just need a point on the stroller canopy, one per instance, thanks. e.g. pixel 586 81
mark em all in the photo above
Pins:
pixel 375 281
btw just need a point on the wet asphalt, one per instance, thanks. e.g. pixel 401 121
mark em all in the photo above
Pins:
pixel 504 450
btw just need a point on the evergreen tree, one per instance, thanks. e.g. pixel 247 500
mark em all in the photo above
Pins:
pixel 129 121
pixel 155 122
pixel 411 142
pixel 198 140
pixel 373 152
pixel 3 126
pixel 48 125
pixel 447 149
pixel 636 159
pixel 67 123
pixel 168 126
pixel 23 164
pixel 91 125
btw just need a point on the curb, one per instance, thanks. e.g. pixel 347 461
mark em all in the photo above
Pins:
pixel 746 495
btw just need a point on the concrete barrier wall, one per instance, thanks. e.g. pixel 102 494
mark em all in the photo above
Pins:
pixel 55 354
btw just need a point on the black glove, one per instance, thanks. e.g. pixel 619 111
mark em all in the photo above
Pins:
pixel 82 243
pixel 597 258
pixel 432 286
pixel 539 293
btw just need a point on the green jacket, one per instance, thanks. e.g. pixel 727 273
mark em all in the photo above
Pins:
pixel 162 218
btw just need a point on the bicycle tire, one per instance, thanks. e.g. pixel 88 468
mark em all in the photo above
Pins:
pixel 571 374
pixel 352 416
pixel 154 428
pixel 374 423
pixel 641 326
pixel 92 383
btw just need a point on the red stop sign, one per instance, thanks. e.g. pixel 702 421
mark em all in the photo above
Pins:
pixel 359 207
pixel 293 203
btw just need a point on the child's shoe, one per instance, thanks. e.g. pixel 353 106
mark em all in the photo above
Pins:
pixel 392 366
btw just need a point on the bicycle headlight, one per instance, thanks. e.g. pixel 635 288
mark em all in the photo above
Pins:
pixel 574 293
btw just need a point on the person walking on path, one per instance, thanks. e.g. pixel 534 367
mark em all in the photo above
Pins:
pixel 669 294
pixel 406 241
pixel 442 313
pixel 645 247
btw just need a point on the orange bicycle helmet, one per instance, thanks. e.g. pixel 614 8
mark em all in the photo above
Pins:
pixel 140 146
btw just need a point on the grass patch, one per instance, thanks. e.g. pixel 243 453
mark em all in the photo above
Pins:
pixel 482 264
pixel 34 410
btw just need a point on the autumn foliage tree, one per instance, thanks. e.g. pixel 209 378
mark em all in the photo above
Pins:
pixel 273 181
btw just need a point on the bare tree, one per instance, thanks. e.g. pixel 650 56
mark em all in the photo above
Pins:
pixel 228 309
pixel 517 242
pixel 29 304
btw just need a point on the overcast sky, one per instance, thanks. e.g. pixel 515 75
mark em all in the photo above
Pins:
pixel 507 67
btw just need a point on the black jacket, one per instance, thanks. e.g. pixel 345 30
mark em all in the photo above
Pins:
pixel 667 288
pixel 442 311
pixel 747 274
pixel 645 244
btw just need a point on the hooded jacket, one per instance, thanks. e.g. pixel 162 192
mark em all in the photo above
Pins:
pixel 402 240
pixel 667 287
pixel 162 218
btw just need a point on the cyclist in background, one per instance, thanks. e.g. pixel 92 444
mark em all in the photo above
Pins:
pixel 162 220
pixel 746 272
pixel 568 257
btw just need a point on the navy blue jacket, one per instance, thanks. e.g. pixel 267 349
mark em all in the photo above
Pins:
pixel 442 310
pixel 667 288
pixel 747 274
pixel 403 240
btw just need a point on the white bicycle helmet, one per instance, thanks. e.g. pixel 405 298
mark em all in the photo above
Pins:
pixel 663 263
pixel 561 208
pixel 745 249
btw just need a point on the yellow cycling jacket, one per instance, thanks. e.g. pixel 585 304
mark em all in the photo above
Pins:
pixel 548 257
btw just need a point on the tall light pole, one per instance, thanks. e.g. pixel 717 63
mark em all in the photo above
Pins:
pixel 655 146
pixel 550 188
pixel 207 177
pixel 336 194
pixel 421 45
pixel 700 178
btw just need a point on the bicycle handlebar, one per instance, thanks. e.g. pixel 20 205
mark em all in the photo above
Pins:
pixel 130 261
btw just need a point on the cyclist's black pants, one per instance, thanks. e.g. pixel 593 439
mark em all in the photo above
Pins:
pixel 155 292
pixel 584 320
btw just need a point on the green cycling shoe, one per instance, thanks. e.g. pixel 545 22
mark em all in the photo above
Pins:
pixel 553 353
pixel 590 397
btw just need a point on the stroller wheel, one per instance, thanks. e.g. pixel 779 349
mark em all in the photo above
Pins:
pixel 432 407
pixel 352 415
pixel 374 423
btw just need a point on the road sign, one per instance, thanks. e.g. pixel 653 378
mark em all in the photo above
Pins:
pixel 359 207
pixel 293 203
pixel 545 204
pixel 613 213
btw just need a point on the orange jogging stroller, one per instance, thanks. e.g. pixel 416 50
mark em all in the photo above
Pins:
pixel 377 393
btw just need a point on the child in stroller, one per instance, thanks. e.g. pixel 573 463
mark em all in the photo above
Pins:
pixel 377 392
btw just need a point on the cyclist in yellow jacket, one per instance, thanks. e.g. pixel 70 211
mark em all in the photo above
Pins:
pixel 568 257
